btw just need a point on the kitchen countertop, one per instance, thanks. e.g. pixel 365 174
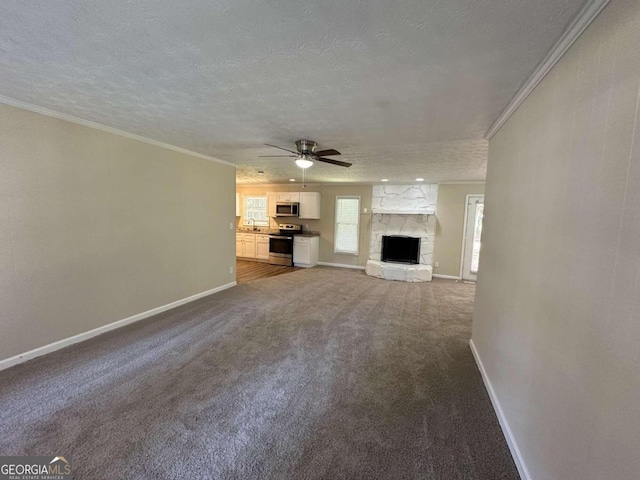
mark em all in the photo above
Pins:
pixel 268 231
pixel 262 231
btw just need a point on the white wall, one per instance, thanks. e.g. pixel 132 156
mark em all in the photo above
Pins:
pixel 557 322
pixel 95 228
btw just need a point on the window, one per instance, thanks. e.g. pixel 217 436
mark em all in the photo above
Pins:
pixel 255 208
pixel 347 224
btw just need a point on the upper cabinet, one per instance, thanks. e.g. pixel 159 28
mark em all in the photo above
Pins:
pixel 288 196
pixel 310 205
pixel 272 198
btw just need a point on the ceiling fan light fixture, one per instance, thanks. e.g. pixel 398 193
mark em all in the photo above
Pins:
pixel 304 161
pixel 308 154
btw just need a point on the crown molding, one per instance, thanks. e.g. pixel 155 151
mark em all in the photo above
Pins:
pixel 587 14
pixel 98 126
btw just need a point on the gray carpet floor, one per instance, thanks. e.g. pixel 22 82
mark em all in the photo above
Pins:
pixel 318 374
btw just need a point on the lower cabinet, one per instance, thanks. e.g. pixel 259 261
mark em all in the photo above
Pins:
pixel 252 245
pixel 305 251
pixel 262 247
pixel 246 245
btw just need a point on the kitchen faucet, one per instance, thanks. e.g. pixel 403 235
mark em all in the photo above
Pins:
pixel 254 224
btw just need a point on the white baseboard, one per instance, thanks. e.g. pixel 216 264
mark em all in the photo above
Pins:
pixel 340 265
pixel 446 277
pixel 504 424
pixel 52 347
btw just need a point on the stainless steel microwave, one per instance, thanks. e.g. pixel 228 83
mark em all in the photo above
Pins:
pixel 287 209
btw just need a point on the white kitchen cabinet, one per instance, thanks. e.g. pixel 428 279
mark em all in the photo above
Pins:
pixel 262 247
pixel 310 205
pixel 246 245
pixel 250 245
pixel 238 205
pixel 305 251
pixel 288 196
pixel 272 198
pixel 239 246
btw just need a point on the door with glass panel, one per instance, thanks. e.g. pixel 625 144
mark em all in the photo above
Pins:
pixel 472 235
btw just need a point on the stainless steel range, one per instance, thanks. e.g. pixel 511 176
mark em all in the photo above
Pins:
pixel 281 244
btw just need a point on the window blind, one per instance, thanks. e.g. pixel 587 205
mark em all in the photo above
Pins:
pixel 347 224
pixel 255 207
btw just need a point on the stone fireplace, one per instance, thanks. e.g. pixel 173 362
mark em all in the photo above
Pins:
pixel 407 210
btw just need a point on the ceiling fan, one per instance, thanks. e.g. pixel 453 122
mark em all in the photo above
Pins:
pixel 307 154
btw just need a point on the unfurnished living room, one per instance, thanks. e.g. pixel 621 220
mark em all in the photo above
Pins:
pixel 320 239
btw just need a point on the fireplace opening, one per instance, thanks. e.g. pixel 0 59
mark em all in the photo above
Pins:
pixel 400 249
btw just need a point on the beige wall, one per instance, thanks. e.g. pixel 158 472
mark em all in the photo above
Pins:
pixel 327 217
pixel 450 226
pixel 558 302
pixel 95 227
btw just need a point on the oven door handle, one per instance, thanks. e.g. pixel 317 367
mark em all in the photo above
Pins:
pixel 282 238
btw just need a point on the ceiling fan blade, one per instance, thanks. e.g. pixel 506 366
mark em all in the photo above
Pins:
pixel 285 149
pixel 327 153
pixel 277 156
pixel 334 162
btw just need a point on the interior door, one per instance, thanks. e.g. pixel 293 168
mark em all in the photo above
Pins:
pixel 472 236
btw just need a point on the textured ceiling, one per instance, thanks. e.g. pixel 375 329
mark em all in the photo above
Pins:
pixel 402 88
pixel 435 162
